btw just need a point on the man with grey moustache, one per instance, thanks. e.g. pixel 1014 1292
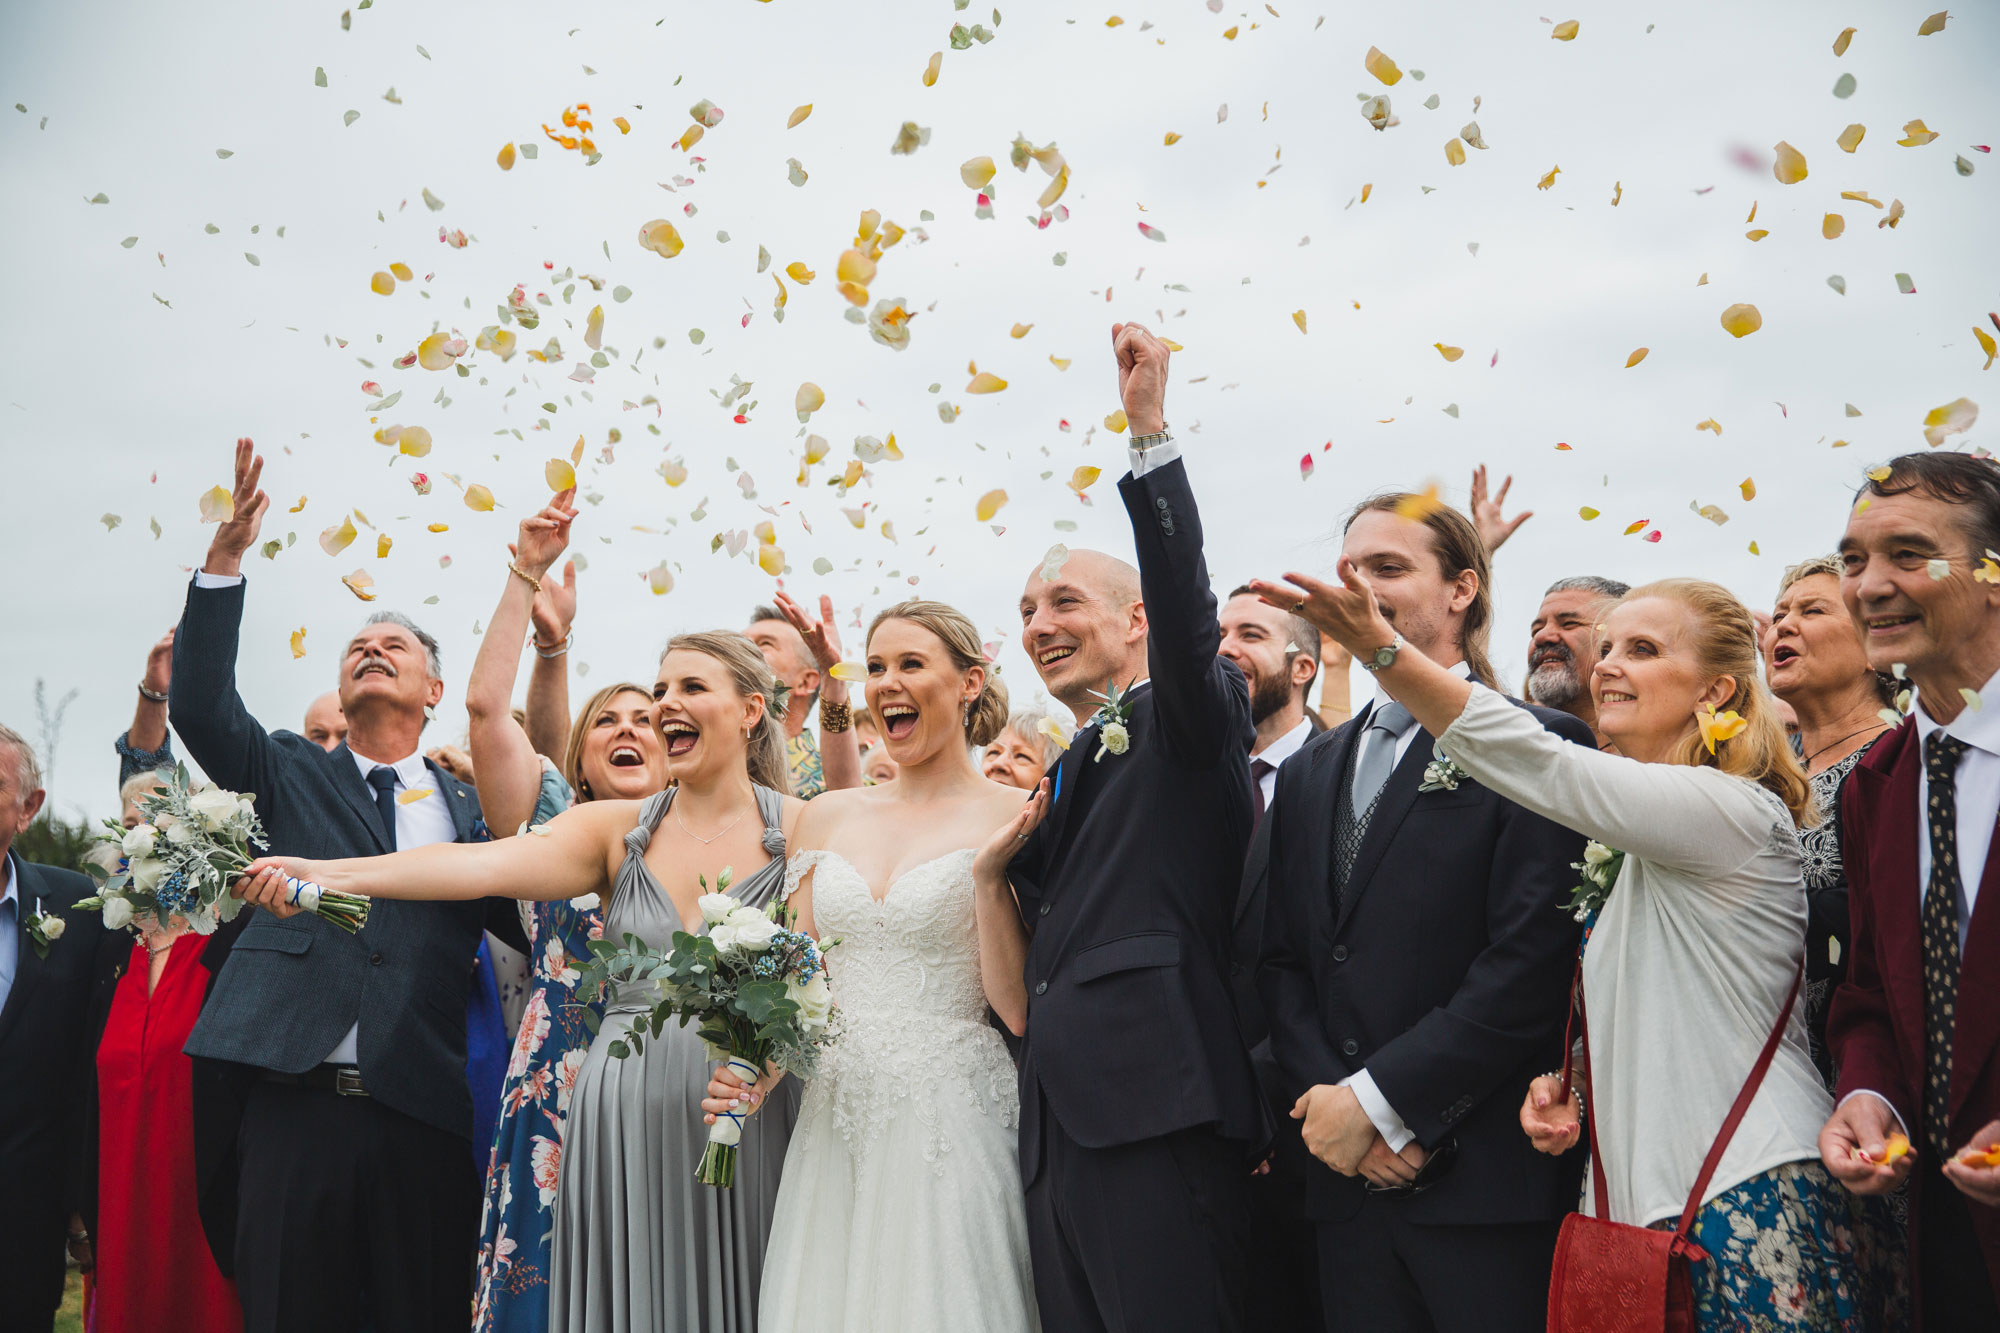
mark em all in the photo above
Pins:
pixel 1561 646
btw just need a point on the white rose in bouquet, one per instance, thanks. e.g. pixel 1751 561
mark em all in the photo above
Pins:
pixel 117 914
pixel 815 1000
pixel 179 832
pixel 747 929
pixel 214 807
pixel 139 840
pixel 716 907
pixel 147 872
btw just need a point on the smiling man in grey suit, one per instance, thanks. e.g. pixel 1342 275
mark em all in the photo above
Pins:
pixel 356 1189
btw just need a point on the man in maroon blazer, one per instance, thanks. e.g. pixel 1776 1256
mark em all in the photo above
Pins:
pixel 1915 1030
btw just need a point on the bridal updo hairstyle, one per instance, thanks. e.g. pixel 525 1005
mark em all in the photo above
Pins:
pixel 987 717
pixel 1725 643
pixel 751 675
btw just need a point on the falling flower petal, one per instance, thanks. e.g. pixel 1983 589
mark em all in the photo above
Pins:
pixel 1548 180
pixel 1832 225
pixel 1935 23
pixel 1636 357
pixel 986 382
pixel 1449 353
pixel 1151 233
pixel 1565 31
pixel 1375 111
pixel 1051 729
pixel 336 538
pixel 931 68
pixel 853 672
pixel 1305 466
pixel 770 559
pixel 660 579
pixel 478 497
pixel 795 173
pixel 1916 135
pixel 1904 285
pixel 1790 167
pixel 808 400
pixel 799 273
pixel 856 267
pixel 360 584
pixel 1742 319
pixel 798 116
pixel 439 351
pixel 977 173
pixel 560 476
pixel 1838 283
pixel 506 157
pixel 1083 478
pixel 413 441
pixel 593 329
pixel 1637 527
pixel 1710 425
pixel 1986 345
pixel 217 505
pixel 403 272
pixel 1850 138
pixel 1172 139
pixel 299 642
pixel 1954 418
pixel 1381 67
pixel 660 237
pixel 382 284
pixel 1586 513
pixel 1454 153
pixel 382 545
pixel 989 505
pixel 1840 42
pixel 1299 318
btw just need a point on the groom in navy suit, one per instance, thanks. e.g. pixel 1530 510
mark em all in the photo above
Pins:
pixel 1140 1116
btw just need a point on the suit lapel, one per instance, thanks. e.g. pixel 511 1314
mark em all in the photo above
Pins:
pixel 1328 771
pixel 1398 795
pixel 1887 802
pixel 27 965
pixel 1063 785
pixel 358 795
pixel 457 798
pixel 1254 865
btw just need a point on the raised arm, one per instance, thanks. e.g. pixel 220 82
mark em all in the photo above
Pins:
pixel 548 679
pixel 510 776
pixel 202 701
pixel 575 856
pixel 146 746
pixel 839 751
pixel 1003 941
pixel 1202 701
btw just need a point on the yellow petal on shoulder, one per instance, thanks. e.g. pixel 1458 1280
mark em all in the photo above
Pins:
pixel 1850 138
pixel 1449 353
pixel 976 172
pixel 334 540
pixel 1741 319
pixel 1916 134
pixel 217 505
pixel 299 642
pixel 1053 730
pixel 798 116
pixel 808 400
pixel 1083 478
pixel 1565 31
pixel 1116 422
pixel 1381 67
pixel 360 584
pixel 560 476
pixel 382 283
pixel 989 505
pixel 1840 42
pixel 1636 357
pixel 1790 168
pixel 986 382
pixel 770 559
pixel 478 497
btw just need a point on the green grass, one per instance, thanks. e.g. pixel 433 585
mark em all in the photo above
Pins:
pixel 69 1319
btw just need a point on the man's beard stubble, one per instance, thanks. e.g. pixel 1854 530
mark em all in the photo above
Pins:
pixel 1268 695
pixel 1555 683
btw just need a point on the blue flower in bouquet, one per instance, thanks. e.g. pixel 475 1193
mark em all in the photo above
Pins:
pixel 177 893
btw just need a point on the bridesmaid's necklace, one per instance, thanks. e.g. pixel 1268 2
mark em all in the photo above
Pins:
pixel 712 837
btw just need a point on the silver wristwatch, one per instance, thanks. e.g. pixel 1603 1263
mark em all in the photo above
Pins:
pixel 1384 656
pixel 1144 442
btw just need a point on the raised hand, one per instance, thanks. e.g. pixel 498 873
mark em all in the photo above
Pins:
pixel 1494 527
pixel 989 866
pixel 1551 1120
pixel 1142 377
pixel 239 533
pixel 1345 610
pixel 159 673
pixel 544 535
pixel 822 636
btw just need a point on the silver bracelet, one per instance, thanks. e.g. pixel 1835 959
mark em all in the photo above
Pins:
pixel 153 695
pixel 552 654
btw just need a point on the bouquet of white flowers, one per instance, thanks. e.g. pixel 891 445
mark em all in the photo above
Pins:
pixel 181 860
pixel 756 987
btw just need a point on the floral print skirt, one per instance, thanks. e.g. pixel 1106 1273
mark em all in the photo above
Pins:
pixel 1791 1249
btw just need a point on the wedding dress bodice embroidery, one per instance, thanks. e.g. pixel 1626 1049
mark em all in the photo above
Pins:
pixel 905 980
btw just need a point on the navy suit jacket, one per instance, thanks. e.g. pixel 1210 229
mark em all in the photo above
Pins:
pixel 1127 887
pixel 1444 973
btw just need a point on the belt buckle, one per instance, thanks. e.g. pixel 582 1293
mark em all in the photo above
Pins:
pixel 347 1083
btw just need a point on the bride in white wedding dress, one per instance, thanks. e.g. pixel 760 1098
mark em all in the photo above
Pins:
pixel 901 1204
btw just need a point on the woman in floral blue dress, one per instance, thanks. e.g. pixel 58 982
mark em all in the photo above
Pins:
pixel 611 752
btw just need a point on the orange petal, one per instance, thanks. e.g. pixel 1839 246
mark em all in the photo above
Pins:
pixel 986 382
pixel 989 505
pixel 1741 319
pixel 1790 167
pixel 1381 67
pixel 1636 357
pixel 382 284
pixel 506 158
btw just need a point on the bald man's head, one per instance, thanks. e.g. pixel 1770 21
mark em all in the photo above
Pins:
pixel 1082 624
pixel 325 725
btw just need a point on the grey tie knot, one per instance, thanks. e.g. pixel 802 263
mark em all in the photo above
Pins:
pixel 1393 719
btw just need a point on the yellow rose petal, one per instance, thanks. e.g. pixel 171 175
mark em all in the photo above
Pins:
pixel 1172 138
pixel 1840 42
pixel 1790 167
pixel 1565 31
pixel 808 400
pixel 299 642
pixel 976 172
pixel 1741 319
pixel 1935 23
pixel 1636 357
pixel 799 273
pixel 1454 153
pixel 334 540
pixel 478 497
pixel 1083 478
pixel 660 579
pixel 852 672
pixel 217 505
pixel 593 329
pixel 1548 180
pixel 1850 138
pixel 798 116
pixel 1832 225
pixel 660 237
pixel 1916 135
pixel 856 266
pixel 506 157
pixel 382 544
pixel 360 584
pixel 1954 418
pixel 771 560
pixel 989 505
pixel 438 527
pixel 1381 67
pixel 1299 318
pixel 1053 729
pixel 1586 513
pixel 1449 353
pixel 382 284
pixel 1116 422
pixel 434 352
pixel 986 382
pixel 402 272
pixel 1019 330
pixel 931 68
pixel 1986 345
pixel 560 476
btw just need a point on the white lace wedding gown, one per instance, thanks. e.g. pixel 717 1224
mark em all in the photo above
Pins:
pixel 900 1207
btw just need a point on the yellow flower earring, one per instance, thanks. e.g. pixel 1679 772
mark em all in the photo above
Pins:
pixel 1722 726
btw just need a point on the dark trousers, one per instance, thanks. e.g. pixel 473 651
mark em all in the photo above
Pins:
pixel 351 1215
pixel 32 1235
pixel 1284 1253
pixel 1382 1273
pixel 1149 1237
pixel 1954 1289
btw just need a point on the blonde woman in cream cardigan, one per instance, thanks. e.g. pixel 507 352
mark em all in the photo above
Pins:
pixel 1691 956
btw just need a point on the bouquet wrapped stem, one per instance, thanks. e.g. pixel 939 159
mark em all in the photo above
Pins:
pixel 718 1159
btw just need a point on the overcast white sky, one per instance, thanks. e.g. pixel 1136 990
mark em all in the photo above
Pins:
pixel 115 403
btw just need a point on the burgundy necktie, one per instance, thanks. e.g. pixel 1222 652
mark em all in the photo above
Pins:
pixel 1258 768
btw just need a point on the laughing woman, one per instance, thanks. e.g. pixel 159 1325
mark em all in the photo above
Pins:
pixel 1694 956
pixel 638 1244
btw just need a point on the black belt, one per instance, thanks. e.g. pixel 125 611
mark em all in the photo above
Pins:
pixel 345 1080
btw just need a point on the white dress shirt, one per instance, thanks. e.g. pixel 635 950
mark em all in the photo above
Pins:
pixel 1277 752
pixel 1388 1124
pixel 1145 460
pixel 1978 788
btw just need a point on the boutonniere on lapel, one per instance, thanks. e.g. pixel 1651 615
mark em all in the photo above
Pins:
pixel 1599 867
pixel 44 928
pixel 1442 773
pixel 1113 719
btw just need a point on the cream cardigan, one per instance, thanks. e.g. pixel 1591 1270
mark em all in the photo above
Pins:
pixel 1688 964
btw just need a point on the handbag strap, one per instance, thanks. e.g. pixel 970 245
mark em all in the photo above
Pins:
pixel 1600 1192
pixel 1740 1109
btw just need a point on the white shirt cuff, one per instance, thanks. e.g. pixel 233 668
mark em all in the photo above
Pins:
pixel 204 579
pixel 1383 1116
pixel 1145 460
pixel 1870 1092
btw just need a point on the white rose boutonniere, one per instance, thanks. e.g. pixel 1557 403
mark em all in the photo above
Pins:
pixel 1599 867
pixel 1442 773
pixel 1113 720
pixel 43 928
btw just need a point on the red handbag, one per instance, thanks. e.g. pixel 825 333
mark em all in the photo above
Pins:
pixel 1610 1277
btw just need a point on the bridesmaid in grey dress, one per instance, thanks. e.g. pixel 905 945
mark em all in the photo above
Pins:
pixel 639 1244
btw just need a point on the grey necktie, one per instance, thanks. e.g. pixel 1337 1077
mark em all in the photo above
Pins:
pixel 1378 753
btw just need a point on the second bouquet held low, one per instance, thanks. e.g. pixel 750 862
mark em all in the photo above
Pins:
pixel 755 988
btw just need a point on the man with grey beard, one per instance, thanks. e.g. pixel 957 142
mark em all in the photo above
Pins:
pixel 1562 645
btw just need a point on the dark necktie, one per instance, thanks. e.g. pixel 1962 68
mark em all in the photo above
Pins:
pixel 1258 768
pixel 383 779
pixel 1940 936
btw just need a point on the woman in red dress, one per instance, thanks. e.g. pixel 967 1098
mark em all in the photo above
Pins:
pixel 154 1269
